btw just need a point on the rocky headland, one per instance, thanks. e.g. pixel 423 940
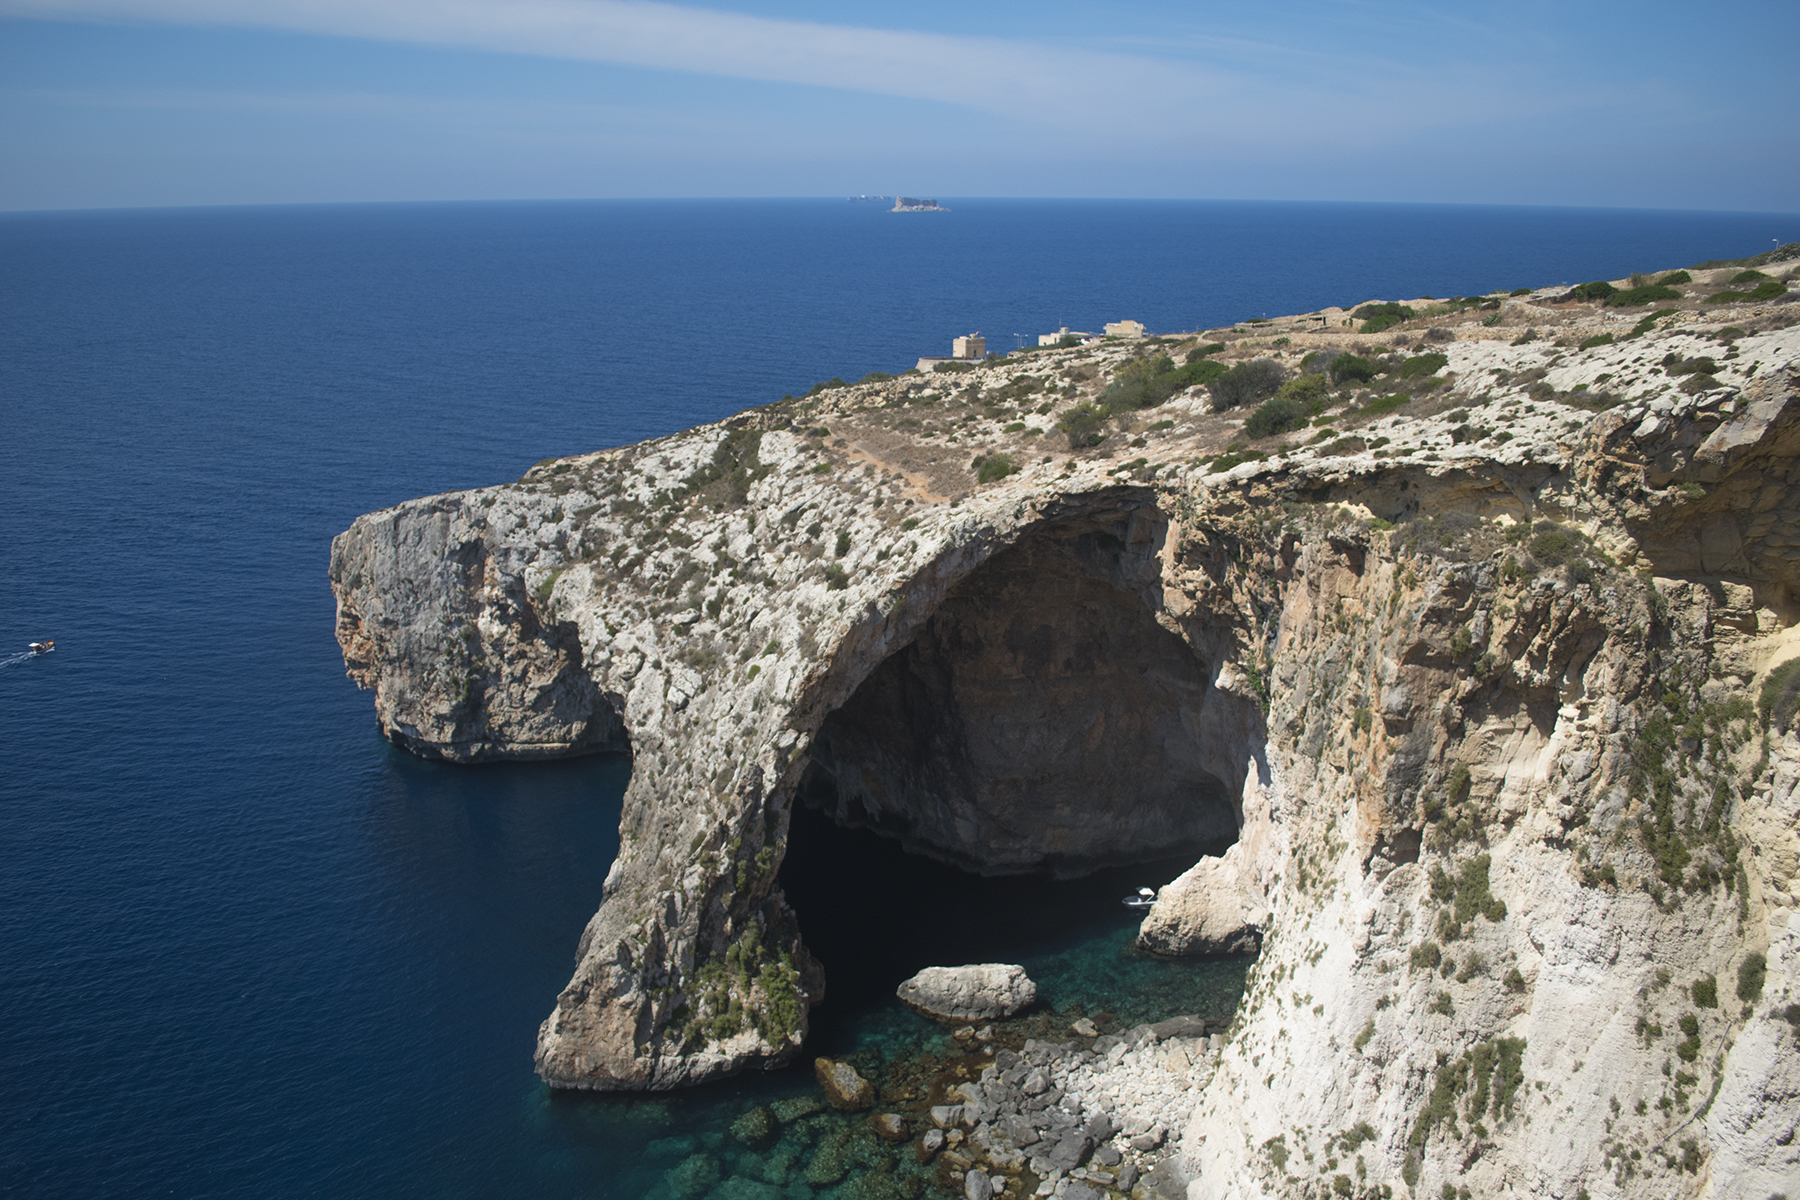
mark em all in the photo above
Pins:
pixel 1469 625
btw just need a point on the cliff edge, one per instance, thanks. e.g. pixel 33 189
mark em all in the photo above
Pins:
pixel 1466 629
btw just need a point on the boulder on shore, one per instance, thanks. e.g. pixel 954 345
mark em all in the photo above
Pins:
pixel 1206 910
pixel 844 1088
pixel 962 995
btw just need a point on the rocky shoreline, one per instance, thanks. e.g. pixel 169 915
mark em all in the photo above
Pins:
pixel 1473 622
pixel 988 1113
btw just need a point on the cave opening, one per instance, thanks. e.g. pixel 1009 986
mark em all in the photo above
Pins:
pixel 1042 747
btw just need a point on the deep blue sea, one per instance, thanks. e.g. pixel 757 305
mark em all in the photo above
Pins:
pixel 247 948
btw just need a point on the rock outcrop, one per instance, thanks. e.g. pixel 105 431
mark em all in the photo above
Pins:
pixel 964 995
pixel 1206 910
pixel 1471 672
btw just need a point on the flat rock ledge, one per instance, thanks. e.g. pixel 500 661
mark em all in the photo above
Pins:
pixel 964 995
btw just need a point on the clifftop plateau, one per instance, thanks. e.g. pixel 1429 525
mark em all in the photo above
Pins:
pixel 1469 625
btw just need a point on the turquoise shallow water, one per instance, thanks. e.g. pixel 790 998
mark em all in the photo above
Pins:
pixel 874 915
pixel 248 948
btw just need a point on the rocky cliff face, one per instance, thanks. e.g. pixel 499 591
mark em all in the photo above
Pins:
pixel 1469 678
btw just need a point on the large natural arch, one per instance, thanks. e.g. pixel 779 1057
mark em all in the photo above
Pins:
pixel 1043 718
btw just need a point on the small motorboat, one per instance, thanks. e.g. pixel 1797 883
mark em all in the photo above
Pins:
pixel 42 647
pixel 1143 898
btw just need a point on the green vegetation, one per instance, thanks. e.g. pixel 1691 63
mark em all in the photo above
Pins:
pixel 1466 896
pixel 1420 366
pixel 997 466
pixel 1752 973
pixel 1351 368
pixel 1675 277
pixel 836 578
pixel 1362 1040
pixel 1382 405
pixel 1200 352
pixel 1780 698
pixel 1491 1073
pixel 1275 416
pixel 1599 339
pixel 1599 289
pixel 1706 992
pixel 1767 290
pixel 1246 383
pixel 1688 1049
pixel 1083 424
pixel 726 479
pixel 1632 297
pixel 1377 317
pixel 843 544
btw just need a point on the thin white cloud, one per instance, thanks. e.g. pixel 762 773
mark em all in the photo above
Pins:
pixel 1253 97
pixel 1019 79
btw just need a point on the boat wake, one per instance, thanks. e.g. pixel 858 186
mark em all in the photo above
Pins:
pixel 13 660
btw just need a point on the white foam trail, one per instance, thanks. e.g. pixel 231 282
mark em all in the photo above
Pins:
pixel 13 660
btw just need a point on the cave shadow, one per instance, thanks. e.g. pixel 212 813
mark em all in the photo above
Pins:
pixel 874 915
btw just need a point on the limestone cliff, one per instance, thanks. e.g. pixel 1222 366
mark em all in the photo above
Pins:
pixel 1466 669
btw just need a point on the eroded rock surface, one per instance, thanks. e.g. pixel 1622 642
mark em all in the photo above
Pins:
pixel 1205 910
pixel 1471 675
pixel 981 992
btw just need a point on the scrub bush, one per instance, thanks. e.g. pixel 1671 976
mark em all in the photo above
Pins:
pixel 1351 368
pixel 1247 383
pixel 998 466
pixel 1422 365
pixel 1083 425
pixel 1641 295
pixel 1275 416
pixel 1377 317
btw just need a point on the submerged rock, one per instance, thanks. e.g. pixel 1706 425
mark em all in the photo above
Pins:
pixel 845 1090
pixel 890 1127
pixel 980 992
pixel 756 1128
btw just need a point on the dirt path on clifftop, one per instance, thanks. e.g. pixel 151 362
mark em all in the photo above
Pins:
pixel 924 486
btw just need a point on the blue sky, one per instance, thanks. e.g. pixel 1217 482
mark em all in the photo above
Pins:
pixel 152 102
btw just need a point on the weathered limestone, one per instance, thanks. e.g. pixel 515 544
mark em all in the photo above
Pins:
pixel 964 995
pixel 1205 910
pixel 1498 794
pixel 844 1089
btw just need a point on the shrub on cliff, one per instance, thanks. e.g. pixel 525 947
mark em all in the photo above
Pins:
pixel 1351 368
pixel 1599 289
pixel 1246 383
pixel 1275 416
pixel 1780 698
pixel 1141 383
pixel 1083 424
pixel 1377 317
pixel 1633 297
pixel 1420 366
pixel 995 467
pixel 1200 352
pixel 1766 290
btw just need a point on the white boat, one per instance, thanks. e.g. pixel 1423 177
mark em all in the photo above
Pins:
pixel 42 647
pixel 1143 898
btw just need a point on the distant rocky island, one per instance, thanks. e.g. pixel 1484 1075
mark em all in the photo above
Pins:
pixel 913 204
pixel 1472 621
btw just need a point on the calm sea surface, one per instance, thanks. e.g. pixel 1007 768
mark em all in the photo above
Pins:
pixel 246 948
